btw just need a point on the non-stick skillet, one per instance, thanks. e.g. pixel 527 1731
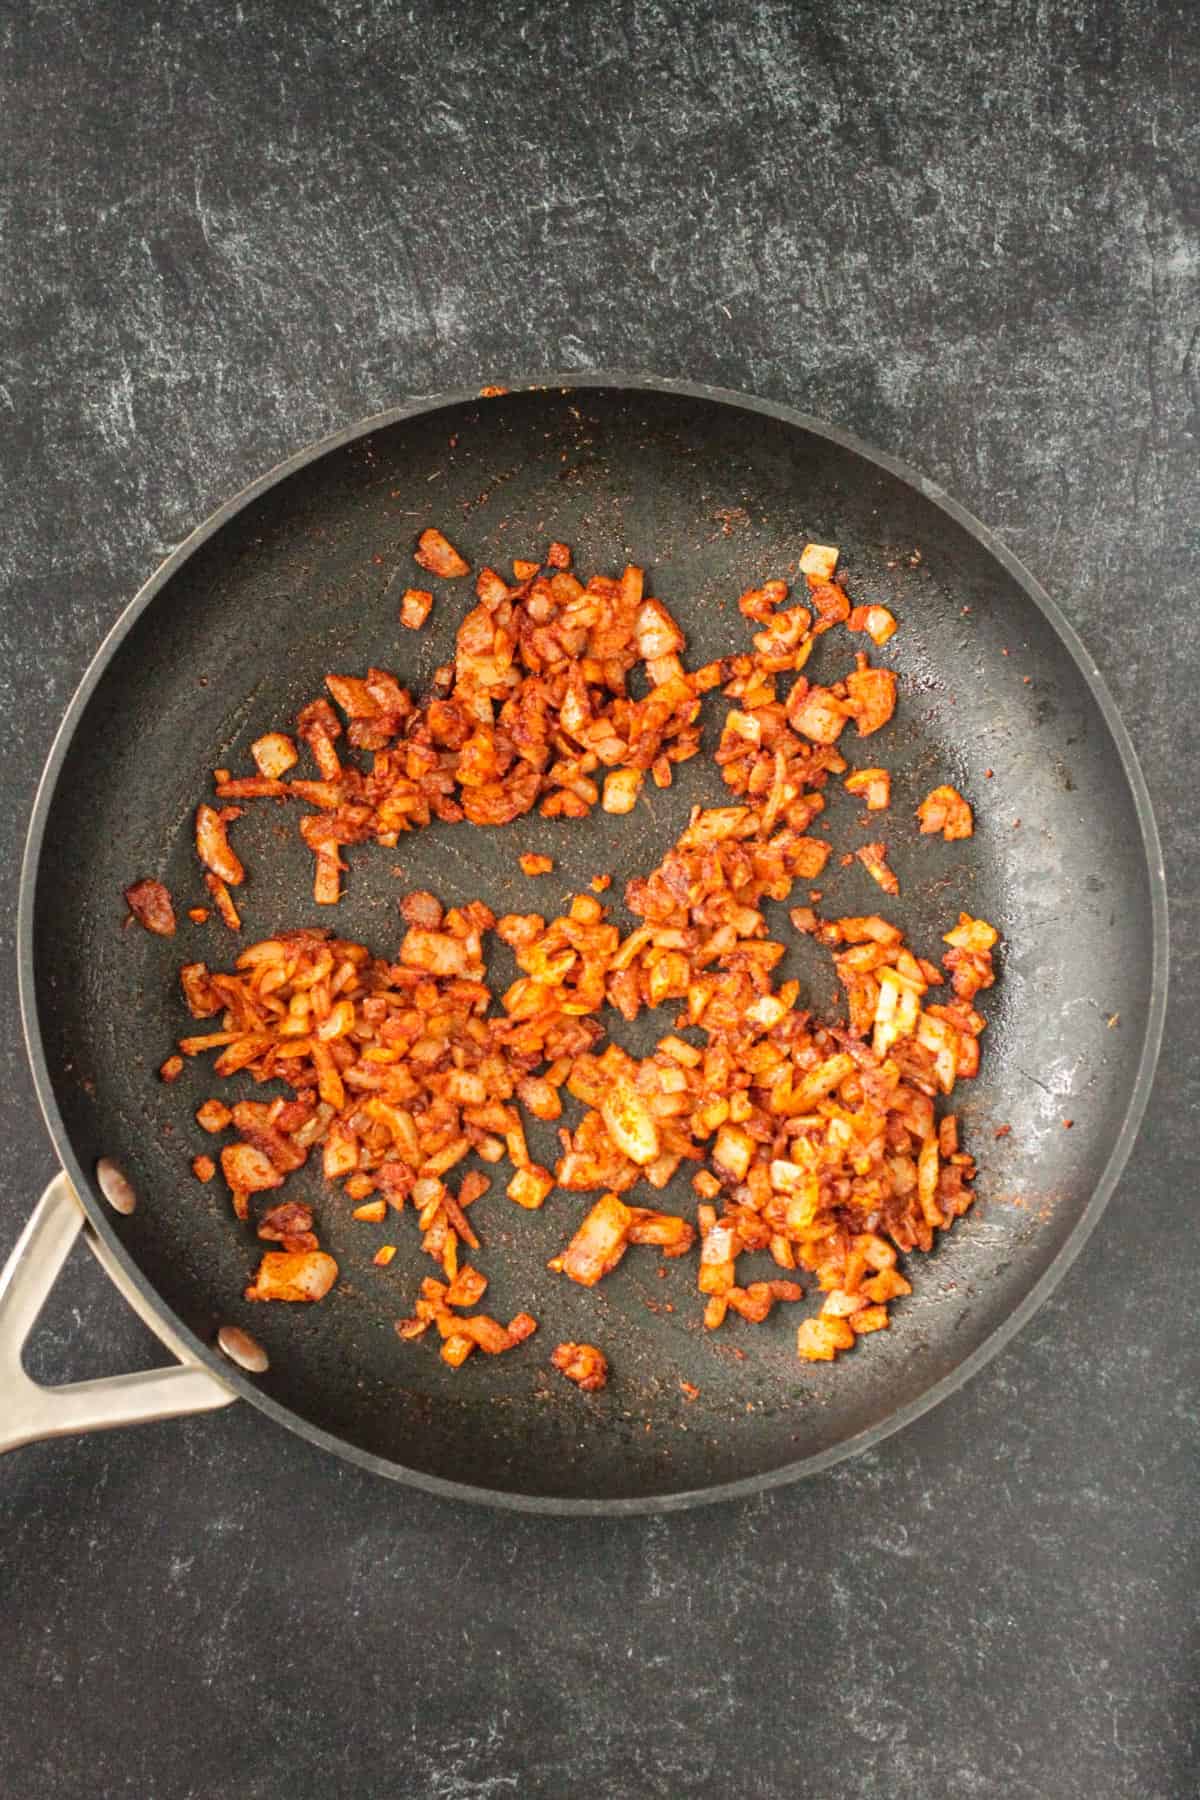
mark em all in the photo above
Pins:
pixel 293 578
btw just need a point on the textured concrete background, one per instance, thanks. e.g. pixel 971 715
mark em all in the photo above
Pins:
pixel 970 233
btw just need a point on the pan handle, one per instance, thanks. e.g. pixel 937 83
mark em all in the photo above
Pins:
pixel 29 1411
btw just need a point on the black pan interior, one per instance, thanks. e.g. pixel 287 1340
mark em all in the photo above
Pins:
pixel 710 497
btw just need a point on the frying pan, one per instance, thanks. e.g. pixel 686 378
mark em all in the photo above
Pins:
pixel 299 575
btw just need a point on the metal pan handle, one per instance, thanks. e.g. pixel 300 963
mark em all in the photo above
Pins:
pixel 29 1411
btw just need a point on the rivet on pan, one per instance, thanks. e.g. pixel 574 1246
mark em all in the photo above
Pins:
pixel 242 1349
pixel 115 1186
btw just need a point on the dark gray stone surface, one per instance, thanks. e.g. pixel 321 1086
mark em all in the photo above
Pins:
pixel 969 233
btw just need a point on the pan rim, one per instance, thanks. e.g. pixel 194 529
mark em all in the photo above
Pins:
pixel 744 1486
